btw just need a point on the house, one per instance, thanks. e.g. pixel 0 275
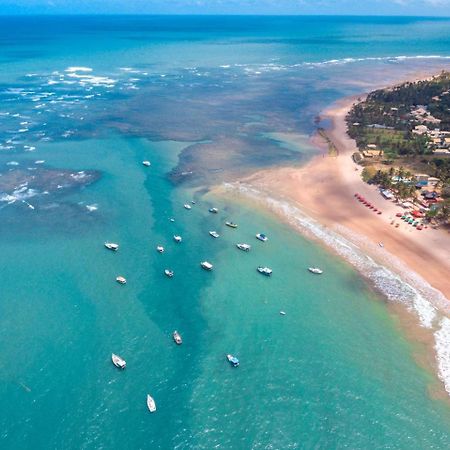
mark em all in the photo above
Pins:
pixel 420 129
pixel 372 153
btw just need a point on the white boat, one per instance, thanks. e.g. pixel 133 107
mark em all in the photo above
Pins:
pixel 244 247
pixel 146 163
pixel 315 270
pixel 265 271
pixel 177 238
pixel 186 206
pixel 213 210
pixel 172 219
pixel 151 405
pixel 206 265
pixel 282 313
pixel 214 234
pixel 118 361
pixel 177 337
pixel 168 273
pixel 233 360
pixel 193 202
pixel 381 244
pixel 262 237
pixel 112 246
pixel 121 280
pixel 160 249
pixel 231 224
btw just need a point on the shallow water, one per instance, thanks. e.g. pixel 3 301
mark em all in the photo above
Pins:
pixel 336 371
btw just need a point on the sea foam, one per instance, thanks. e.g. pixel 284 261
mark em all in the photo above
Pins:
pixel 405 287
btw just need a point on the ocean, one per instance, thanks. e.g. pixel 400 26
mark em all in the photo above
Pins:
pixel 84 100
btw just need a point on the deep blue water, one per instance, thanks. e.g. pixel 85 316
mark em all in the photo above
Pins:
pixel 83 101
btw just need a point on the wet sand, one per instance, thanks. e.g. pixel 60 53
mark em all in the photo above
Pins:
pixel 324 189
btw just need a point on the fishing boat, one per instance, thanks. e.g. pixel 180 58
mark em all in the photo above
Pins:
pixel 244 247
pixel 262 237
pixel 233 360
pixel 112 246
pixel 177 238
pixel 160 249
pixel 231 224
pixel 265 271
pixel 214 234
pixel 187 206
pixel 146 163
pixel 206 265
pixel 213 210
pixel 177 337
pixel 168 273
pixel 118 361
pixel 151 405
pixel 315 270
pixel 121 280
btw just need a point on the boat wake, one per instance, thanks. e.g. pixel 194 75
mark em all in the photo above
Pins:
pixel 401 286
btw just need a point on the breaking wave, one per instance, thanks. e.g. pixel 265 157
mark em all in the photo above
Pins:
pixel 405 287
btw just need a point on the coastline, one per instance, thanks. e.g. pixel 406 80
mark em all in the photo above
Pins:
pixel 317 200
pixel 324 190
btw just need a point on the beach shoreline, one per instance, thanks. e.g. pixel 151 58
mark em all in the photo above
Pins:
pixel 324 190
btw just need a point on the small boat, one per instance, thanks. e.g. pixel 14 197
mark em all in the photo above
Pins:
pixel 231 224
pixel 146 163
pixel 177 238
pixel 193 202
pixel 206 265
pixel 160 249
pixel 118 361
pixel 244 247
pixel 233 360
pixel 282 313
pixel 112 246
pixel 177 338
pixel 213 210
pixel 172 219
pixel 381 244
pixel 187 206
pixel 265 271
pixel 151 405
pixel 168 273
pixel 214 234
pixel 121 280
pixel 262 237
pixel 315 270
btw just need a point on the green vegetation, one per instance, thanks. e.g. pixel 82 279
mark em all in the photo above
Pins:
pixel 410 123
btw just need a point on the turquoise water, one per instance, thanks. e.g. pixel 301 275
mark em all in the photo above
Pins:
pixel 335 372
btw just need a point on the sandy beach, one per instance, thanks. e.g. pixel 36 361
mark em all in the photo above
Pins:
pixel 324 189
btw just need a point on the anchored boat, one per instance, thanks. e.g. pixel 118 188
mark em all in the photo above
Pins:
pixel 206 265
pixel 233 360
pixel 168 273
pixel 315 270
pixel 160 249
pixel 121 280
pixel 177 337
pixel 151 405
pixel 262 237
pixel 118 361
pixel 146 163
pixel 177 238
pixel 214 234
pixel 231 224
pixel 265 271
pixel 187 206
pixel 112 246
pixel 213 210
pixel 244 247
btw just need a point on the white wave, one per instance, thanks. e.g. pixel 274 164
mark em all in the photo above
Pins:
pixel 12 163
pixel 40 161
pixel 78 176
pixel 442 346
pixel 78 69
pixel 406 287
pixel 91 208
